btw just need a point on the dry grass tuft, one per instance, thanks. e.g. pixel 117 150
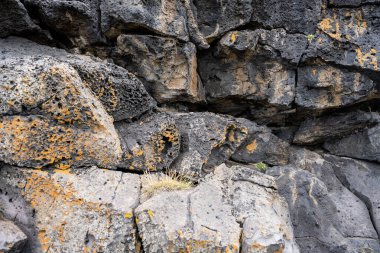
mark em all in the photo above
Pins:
pixel 170 181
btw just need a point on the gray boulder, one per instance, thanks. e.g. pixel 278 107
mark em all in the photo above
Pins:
pixel 72 211
pixel 318 130
pixel 326 216
pixel 234 209
pixel 362 145
pixel 207 140
pixel 167 67
pixel 12 239
pixel 150 144
pixel 261 146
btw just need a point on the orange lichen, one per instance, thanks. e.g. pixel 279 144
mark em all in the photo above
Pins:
pixel 233 37
pixel 251 147
pixel 368 58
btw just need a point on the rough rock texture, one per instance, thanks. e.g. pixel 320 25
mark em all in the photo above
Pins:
pixel 208 216
pixel 318 130
pixel 300 16
pixel 327 217
pixel 159 94
pixel 90 210
pixel 14 19
pixel 207 141
pixel 12 239
pixel 363 145
pixel 261 146
pixel 170 75
pixel 151 144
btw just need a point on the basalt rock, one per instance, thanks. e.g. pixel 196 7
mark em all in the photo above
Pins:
pixel 327 217
pixel 225 16
pixel 261 146
pixel 253 66
pixel 318 130
pixel 167 67
pixel 362 145
pixel 299 16
pixel 89 210
pixel 150 144
pixel 233 208
pixel 76 21
pixel 12 239
pixel 207 140
pixel 15 19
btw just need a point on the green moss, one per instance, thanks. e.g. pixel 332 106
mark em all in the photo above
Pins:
pixel 261 166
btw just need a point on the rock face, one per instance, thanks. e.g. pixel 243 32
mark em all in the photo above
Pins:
pixel 87 210
pixel 169 126
pixel 12 239
pixel 170 75
pixel 207 218
pixel 327 216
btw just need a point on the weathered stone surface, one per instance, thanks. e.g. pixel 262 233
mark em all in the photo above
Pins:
pixel 326 216
pixel 12 239
pixel 363 145
pixel 261 146
pixel 324 86
pixel 14 19
pixel 318 130
pixel 122 95
pixel 150 144
pixel 77 21
pixel 299 16
pixel 253 66
pixel 167 67
pixel 80 211
pixel 216 18
pixel 362 178
pixel 348 37
pixel 207 140
pixel 163 17
pixel 209 215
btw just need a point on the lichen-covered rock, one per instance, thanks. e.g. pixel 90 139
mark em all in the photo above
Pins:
pixel 352 3
pixel 363 145
pixel 299 16
pixel 324 86
pixel 253 66
pixel 362 178
pixel 326 216
pixel 150 144
pixel 318 130
pixel 216 18
pixel 164 17
pixel 77 21
pixel 122 95
pixel 80 211
pixel 348 37
pixel 233 208
pixel 167 67
pixel 207 140
pixel 14 19
pixel 261 146
pixel 12 239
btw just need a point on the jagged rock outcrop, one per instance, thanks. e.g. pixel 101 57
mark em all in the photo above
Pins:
pixel 117 117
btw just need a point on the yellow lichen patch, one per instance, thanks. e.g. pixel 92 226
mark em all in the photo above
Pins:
pixel 368 58
pixel 233 37
pixel 65 171
pixel 251 147
pixel 150 212
pixel 331 27
pixel 137 151
pixel 44 240
pixel 128 215
pixel 314 72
